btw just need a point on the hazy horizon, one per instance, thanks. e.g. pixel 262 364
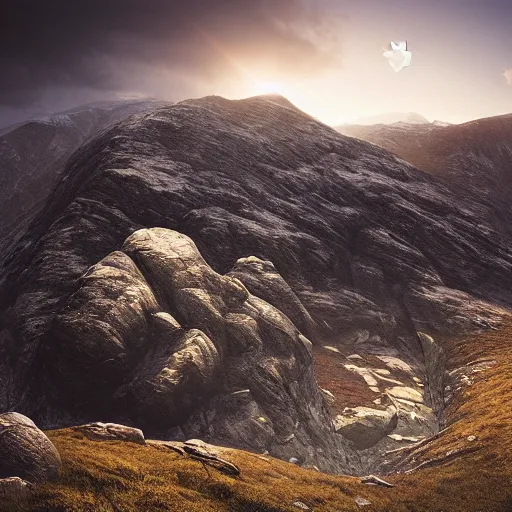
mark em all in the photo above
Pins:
pixel 363 120
pixel 324 56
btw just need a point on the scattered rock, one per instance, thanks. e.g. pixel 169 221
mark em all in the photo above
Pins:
pixel 375 480
pixel 111 432
pixel 364 372
pixel 200 451
pixel 471 438
pixel 382 378
pixel 362 336
pixel 362 502
pixel 405 393
pixel 398 437
pixel 25 451
pixel 199 443
pixel 301 505
pixel 328 396
pixel 394 363
pixel 294 460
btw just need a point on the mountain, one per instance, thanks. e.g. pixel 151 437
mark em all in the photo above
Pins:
pixel 474 159
pixel 238 272
pixel 33 155
pixel 391 118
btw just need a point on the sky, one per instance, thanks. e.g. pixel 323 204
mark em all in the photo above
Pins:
pixel 324 55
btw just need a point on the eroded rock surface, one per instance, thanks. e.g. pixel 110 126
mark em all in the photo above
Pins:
pixel 175 345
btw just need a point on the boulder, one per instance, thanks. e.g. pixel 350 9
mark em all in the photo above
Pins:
pixel 365 427
pixel 103 326
pixel 25 451
pixel 172 380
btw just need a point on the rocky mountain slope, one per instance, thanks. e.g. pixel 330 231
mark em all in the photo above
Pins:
pixel 474 159
pixel 33 155
pixel 197 263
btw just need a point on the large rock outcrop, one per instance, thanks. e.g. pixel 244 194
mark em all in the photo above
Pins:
pixel 154 335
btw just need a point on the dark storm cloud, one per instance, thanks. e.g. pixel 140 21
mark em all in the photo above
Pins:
pixel 117 45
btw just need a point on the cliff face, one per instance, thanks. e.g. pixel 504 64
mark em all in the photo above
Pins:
pixel 178 273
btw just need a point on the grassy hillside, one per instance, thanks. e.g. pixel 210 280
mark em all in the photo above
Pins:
pixel 458 475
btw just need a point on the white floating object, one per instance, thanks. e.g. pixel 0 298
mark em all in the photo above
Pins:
pixel 398 56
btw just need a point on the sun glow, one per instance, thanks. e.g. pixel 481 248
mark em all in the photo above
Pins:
pixel 265 87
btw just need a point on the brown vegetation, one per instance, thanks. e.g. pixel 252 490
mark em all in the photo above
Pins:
pixel 349 388
pixel 459 475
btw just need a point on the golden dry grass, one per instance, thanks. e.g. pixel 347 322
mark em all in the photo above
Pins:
pixel 116 476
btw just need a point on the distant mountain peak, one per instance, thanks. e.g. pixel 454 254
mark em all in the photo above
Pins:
pixel 393 118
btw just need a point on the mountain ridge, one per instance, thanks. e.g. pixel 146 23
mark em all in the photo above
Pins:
pixel 34 153
pixel 473 159
pixel 299 232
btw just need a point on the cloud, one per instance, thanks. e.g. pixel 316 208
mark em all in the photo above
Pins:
pixel 91 47
pixel 508 76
